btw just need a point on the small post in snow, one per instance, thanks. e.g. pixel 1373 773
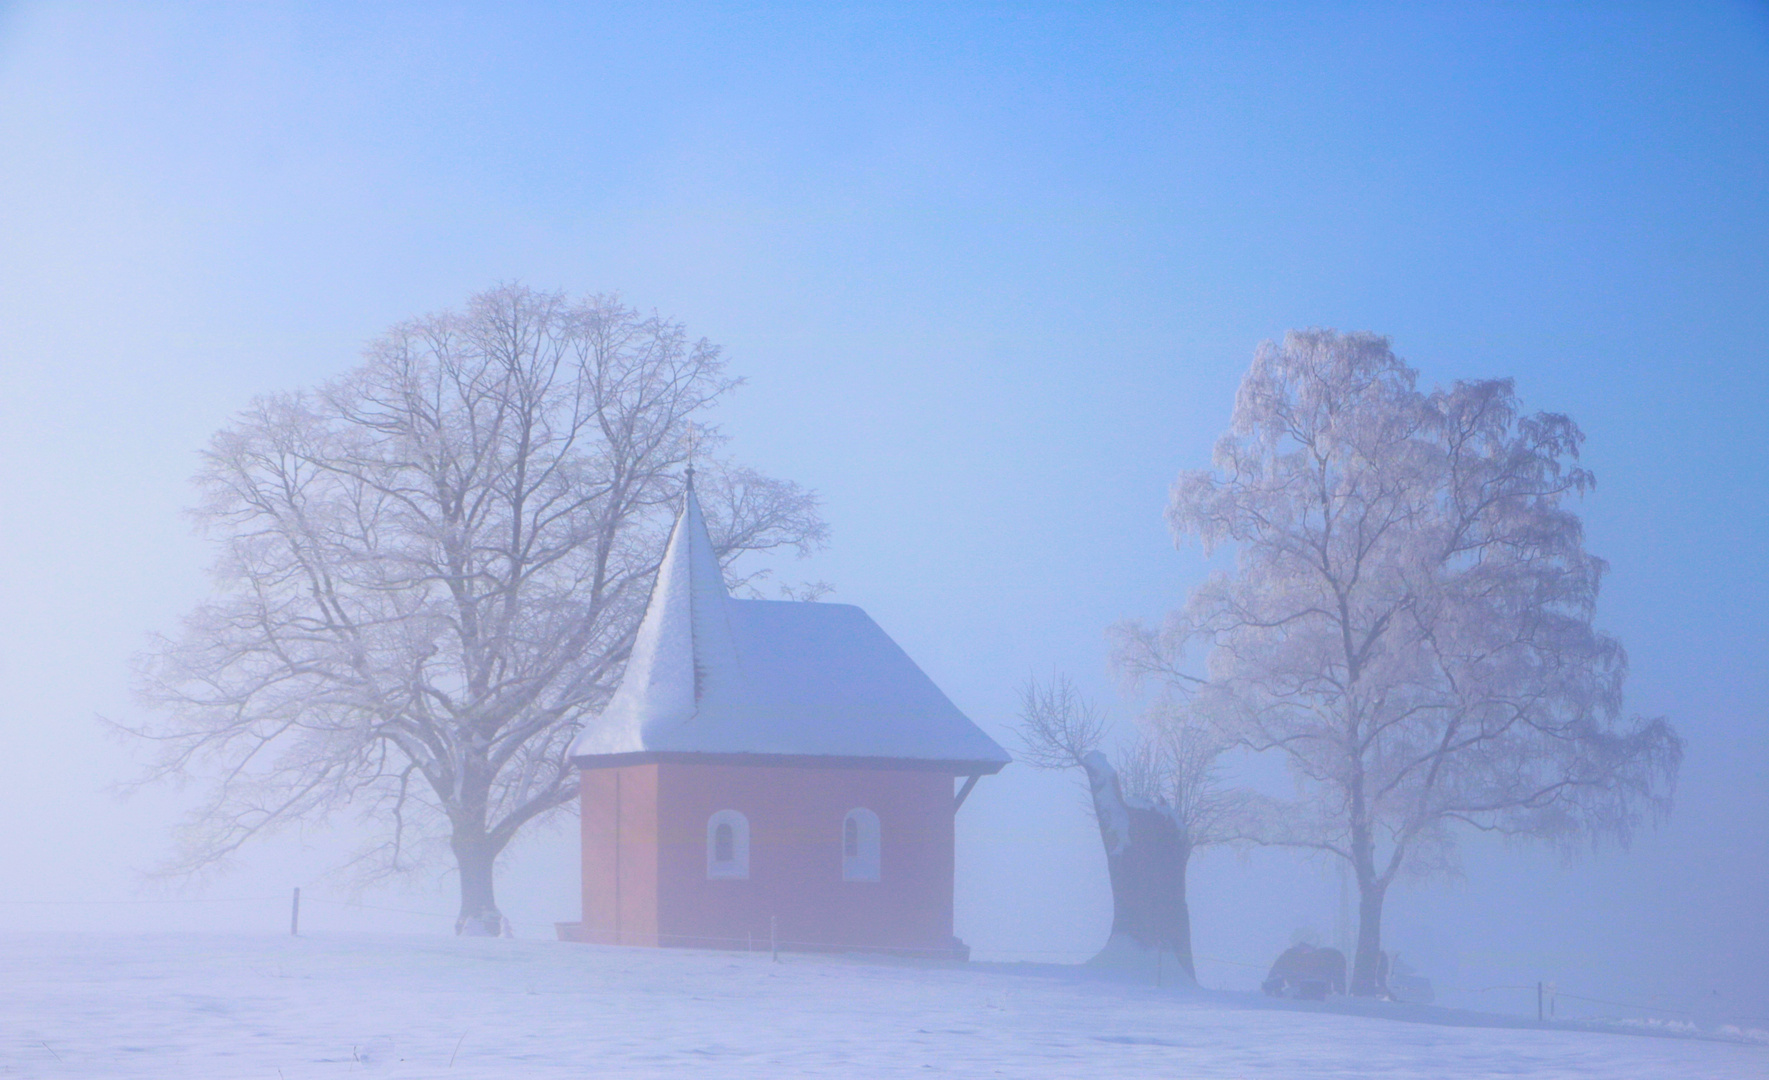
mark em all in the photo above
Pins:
pixel 1539 1016
pixel 774 936
pixel 295 914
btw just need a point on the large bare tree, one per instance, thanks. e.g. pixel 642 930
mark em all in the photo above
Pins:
pixel 1161 803
pixel 430 572
pixel 1409 623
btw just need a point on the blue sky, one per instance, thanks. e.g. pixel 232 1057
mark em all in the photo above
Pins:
pixel 993 273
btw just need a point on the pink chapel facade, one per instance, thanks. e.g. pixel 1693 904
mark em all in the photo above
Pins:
pixel 652 875
pixel 770 772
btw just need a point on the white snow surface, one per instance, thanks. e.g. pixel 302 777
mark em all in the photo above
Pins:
pixel 212 1006
pixel 713 675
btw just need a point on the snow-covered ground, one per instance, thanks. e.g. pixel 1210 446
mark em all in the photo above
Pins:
pixel 200 1006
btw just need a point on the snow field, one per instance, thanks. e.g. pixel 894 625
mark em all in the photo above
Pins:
pixel 212 1006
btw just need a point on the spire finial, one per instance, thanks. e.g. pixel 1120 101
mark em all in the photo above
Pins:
pixel 693 443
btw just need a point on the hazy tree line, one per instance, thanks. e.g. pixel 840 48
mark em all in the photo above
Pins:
pixel 1408 626
pixel 430 570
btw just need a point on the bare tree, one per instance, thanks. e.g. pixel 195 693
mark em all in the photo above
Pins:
pixel 1161 804
pixel 1409 622
pixel 431 570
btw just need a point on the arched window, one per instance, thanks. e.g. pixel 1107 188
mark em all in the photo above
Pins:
pixel 860 845
pixel 727 845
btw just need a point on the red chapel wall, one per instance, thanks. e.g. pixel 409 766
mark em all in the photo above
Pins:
pixel 645 857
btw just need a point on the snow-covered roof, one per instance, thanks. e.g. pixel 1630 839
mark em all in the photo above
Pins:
pixel 771 680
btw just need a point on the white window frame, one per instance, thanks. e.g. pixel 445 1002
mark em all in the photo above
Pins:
pixel 863 865
pixel 737 868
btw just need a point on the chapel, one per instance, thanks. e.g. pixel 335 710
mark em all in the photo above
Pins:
pixel 770 772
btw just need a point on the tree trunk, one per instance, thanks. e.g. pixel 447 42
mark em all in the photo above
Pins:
pixel 1369 977
pixel 1146 857
pixel 475 858
pixel 1182 933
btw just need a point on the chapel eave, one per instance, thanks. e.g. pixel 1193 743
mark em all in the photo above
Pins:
pixel 789 761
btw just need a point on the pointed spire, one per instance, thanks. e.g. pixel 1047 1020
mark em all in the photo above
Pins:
pixel 715 651
pixel 684 652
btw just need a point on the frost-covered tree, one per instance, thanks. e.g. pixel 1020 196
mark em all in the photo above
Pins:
pixel 431 568
pixel 1158 806
pixel 1409 620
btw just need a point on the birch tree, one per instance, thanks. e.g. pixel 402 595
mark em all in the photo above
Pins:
pixel 1158 806
pixel 431 569
pixel 1409 620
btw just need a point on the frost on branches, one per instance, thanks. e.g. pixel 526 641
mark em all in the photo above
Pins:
pixel 431 570
pixel 1409 620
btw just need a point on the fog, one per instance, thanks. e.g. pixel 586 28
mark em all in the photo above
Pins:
pixel 993 278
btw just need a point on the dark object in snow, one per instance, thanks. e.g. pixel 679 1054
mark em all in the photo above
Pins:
pixel 1303 971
